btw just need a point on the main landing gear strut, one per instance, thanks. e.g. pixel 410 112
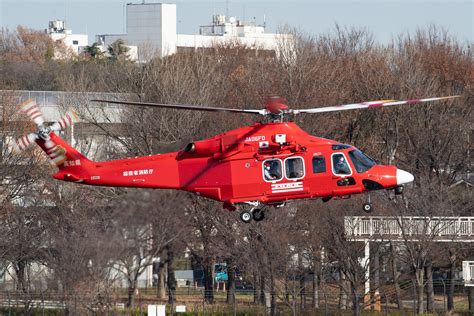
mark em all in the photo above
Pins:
pixel 368 208
pixel 257 214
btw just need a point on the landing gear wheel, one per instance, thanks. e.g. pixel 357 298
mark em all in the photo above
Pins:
pixel 258 214
pixel 399 189
pixel 246 217
pixel 367 207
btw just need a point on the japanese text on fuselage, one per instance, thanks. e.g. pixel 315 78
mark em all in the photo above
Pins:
pixel 72 163
pixel 141 172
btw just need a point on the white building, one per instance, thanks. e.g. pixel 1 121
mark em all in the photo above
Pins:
pixel 78 42
pixel 152 27
pixel 58 32
pixel 226 30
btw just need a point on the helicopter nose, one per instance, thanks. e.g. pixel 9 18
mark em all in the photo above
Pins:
pixel 404 177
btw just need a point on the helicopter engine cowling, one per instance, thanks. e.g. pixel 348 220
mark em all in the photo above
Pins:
pixel 203 148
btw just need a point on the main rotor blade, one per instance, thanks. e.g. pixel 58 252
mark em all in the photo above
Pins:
pixel 186 107
pixel 369 104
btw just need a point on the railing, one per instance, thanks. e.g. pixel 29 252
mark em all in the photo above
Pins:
pixel 410 227
pixel 331 300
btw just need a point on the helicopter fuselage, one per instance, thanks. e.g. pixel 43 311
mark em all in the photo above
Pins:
pixel 263 163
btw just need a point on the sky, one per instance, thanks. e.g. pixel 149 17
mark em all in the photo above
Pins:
pixel 385 19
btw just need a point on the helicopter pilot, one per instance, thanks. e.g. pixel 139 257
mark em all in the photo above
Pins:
pixel 341 166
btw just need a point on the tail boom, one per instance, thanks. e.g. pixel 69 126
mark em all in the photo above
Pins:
pixel 154 171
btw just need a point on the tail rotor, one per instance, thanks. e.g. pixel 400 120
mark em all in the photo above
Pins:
pixel 32 110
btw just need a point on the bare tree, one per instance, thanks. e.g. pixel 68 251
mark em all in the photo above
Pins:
pixel 141 232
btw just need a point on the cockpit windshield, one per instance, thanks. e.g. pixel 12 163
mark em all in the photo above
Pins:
pixel 361 161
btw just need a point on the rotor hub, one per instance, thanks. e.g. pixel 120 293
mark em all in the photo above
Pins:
pixel 275 105
pixel 43 132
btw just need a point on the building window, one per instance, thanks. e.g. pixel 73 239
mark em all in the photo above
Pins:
pixel 75 42
pixel 319 164
pixel 272 170
pixel 294 168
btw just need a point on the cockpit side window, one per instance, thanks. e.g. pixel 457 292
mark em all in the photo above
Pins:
pixel 361 162
pixel 272 170
pixel 294 168
pixel 340 167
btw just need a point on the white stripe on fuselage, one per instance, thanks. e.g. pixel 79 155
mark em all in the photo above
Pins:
pixel 287 187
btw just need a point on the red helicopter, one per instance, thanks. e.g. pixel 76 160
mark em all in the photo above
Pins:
pixel 265 164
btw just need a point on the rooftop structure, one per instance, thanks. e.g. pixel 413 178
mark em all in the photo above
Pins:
pixel 58 32
pixel 78 42
pixel 230 26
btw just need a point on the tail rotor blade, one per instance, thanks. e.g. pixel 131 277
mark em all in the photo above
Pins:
pixel 65 121
pixel 24 141
pixel 31 108
pixel 55 152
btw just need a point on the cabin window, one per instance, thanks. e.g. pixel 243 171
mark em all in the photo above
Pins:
pixel 340 147
pixel 272 170
pixel 340 167
pixel 319 164
pixel 294 168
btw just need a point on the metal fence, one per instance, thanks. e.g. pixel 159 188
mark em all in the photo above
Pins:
pixel 328 301
pixel 448 229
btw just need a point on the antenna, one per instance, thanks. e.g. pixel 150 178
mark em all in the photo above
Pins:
pixel 227 8
pixel 65 13
pixel 264 21
pixel 124 18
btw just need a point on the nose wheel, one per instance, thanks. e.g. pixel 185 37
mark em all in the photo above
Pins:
pixel 256 214
pixel 367 207
pixel 399 189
